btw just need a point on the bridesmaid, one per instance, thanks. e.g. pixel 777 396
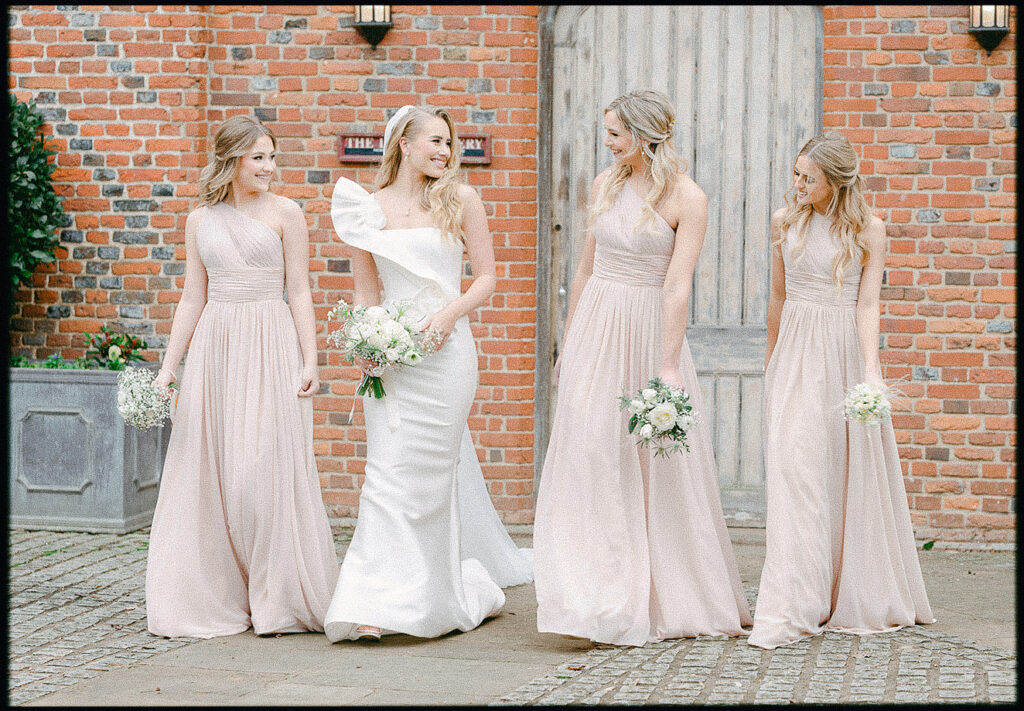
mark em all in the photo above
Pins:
pixel 628 548
pixel 840 547
pixel 240 535
pixel 405 571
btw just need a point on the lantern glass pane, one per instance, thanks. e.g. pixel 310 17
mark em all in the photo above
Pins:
pixel 1001 15
pixel 975 15
pixel 988 15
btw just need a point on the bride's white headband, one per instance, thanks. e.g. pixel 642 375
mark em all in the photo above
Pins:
pixel 393 121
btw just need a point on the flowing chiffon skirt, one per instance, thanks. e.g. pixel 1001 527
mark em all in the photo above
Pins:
pixel 840 552
pixel 240 536
pixel 628 548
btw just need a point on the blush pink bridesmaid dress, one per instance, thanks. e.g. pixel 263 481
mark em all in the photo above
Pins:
pixel 240 536
pixel 628 548
pixel 840 548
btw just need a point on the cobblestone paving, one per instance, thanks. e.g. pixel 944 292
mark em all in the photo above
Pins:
pixel 76 608
pixel 914 665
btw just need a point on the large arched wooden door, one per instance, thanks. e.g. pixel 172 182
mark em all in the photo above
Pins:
pixel 746 83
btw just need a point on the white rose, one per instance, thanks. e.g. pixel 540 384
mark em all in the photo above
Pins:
pixel 392 329
pixel 636 407
pixel 376 313
pixel 646 432
pixel 393 354
pixel 685 421
pixel 650 394
pixel 378 341
pixel 663 417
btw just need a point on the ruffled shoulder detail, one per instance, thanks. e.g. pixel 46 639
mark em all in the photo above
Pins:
pixel 358 219
pixel 355 213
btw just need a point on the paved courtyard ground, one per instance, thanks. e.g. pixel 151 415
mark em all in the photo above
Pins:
pixel 77 636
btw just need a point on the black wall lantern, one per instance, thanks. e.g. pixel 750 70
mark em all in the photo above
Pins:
pixel 373 22
pixel 989 24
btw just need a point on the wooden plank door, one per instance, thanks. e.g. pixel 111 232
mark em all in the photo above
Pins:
pixel 746 84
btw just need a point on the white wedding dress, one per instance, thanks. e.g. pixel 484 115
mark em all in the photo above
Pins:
pixel 429 554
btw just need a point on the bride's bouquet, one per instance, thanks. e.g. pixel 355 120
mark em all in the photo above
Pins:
pixel 660 416
pixel 867 403
pixel 384 335
pixel 141 403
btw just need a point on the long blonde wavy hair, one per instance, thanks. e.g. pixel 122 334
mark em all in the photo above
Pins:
pixel 440 195
pixel 233 139
pixel 848 210
pixel 649 117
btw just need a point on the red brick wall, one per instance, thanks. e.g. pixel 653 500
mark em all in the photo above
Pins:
pixel 132 93
pixel 934 120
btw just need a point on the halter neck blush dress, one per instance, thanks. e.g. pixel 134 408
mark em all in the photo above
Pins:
pixel 628 548
pixel 429 554
pixel 840 551
pixel 240 536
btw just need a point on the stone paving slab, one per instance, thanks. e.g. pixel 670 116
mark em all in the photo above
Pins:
pixel 912 665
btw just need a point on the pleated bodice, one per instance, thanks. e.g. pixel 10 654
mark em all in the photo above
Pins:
pixel 809 275
pixel 625 255
pixel 244 258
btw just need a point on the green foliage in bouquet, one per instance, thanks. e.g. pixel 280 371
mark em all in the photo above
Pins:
pixel 34 209
pixel 660 417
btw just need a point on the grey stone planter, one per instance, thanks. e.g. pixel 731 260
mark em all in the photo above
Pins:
pixel 74 464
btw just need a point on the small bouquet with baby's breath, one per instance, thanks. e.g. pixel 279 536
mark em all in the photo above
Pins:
pixel 384 335
pixel 868 403
pixel 141 403
pixel 661 417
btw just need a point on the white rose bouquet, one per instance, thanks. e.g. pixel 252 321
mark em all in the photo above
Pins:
pixel 384 335
pixel 140 402
pixel 867 403
pixel 660 416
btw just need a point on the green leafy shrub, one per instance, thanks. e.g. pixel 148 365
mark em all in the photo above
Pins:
pixel 54 362
pixel 34 209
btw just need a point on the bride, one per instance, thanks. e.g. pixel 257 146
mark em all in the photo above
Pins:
pixel 429 554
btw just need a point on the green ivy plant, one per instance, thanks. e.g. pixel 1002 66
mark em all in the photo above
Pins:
pixel 35 211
